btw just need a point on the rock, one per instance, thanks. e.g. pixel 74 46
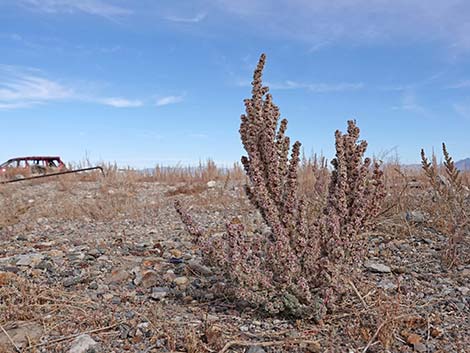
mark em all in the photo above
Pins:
pixel 116 300
pixel 149 279
pixel 200 269
pixel 95 253
pixel 71 281
pixel 377 267
pixel 176 253
pixel 23 237
pixel 181 281
pixel 6 278
pixel 21 333
pixel 413 339
pixel 159 293
pixel 30 260
pixel 255 349
pixel 387 285
pixel 137 275
pixel 463 290
pixel 82 344
pixel 313 347
pixel 108 296
pixel 169 276
pixel 419 347
pixel 211 184
pixel 45 265
pixel 436 332
pixel 415 217
pixel 118 276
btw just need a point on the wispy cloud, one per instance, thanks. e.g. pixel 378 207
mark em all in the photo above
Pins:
pixel 356 21
pixel 26 87
pixel 17 105
pixel 462 109
pixel 461 84
pixel 168 100
pixel 409 102
pixel 121 102
pixel 317 87
pixel 195 19
pixel 198 136
pixel 313 87
pixel 90 7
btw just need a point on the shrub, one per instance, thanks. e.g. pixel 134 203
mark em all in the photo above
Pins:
pixel 297 267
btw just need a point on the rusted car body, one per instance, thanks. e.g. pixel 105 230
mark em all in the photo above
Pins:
pixel 34 165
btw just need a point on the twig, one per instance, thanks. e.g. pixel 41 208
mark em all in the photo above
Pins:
pixel 74 335
pixel 369 344
pixel 264 344
pixel 374 336
pixel 9 338
pixel 359 295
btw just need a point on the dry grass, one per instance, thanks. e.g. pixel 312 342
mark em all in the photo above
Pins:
pixel 370 320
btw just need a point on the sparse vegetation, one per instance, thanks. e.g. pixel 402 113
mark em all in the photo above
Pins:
pixel 290 256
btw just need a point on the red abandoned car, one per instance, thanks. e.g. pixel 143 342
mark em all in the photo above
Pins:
pixel 31 165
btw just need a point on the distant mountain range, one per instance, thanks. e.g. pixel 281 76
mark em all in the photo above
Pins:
pixel 463 164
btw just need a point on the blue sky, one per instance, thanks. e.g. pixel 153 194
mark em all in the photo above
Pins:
pixel 147 82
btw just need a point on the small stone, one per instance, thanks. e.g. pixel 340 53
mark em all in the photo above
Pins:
pixel 244 328
pixel 413 339
pixel 143 325
pixel 200 269
pixel 45 265
pixel 108 296
pixel 169 276
pixel 118 276
pixel 400 269
pixel 22 334
pixel 419 347
pixel 181 281
pixel 82 344
pixel 138 275
pixel 159 293
pixel 94 252
pixel 376 267
pixel 436 332
pixel 149 279
pixel 23 237
pixel 176 253
pixel 211 184
pixel 415 217
pixel 30 260
pixel 463 290
pixel 71 281
pixel 313 347
pixel 387 285
pixel 116 300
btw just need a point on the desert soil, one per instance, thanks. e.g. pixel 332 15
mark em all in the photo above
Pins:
pixel 88 266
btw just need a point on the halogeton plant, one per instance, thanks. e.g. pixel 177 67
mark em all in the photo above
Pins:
pixel 297 267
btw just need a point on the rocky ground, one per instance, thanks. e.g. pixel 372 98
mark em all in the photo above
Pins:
pixel 107 266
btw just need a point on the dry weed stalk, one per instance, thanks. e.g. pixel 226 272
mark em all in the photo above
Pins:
pixel 449 205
